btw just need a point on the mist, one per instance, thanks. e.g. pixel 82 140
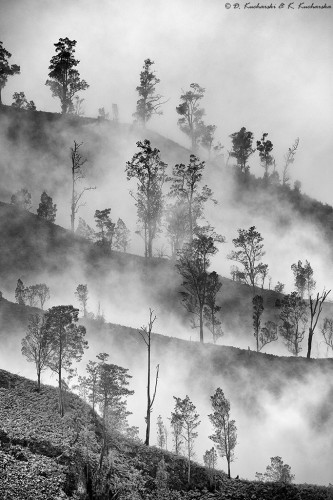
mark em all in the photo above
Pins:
pixel 270 72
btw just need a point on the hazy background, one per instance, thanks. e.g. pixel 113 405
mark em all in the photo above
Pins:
pixel 270 71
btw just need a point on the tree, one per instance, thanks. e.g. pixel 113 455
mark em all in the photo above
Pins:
pixel 210 461
pixel 176 431
pixel 303 276
pixel 112 388
pixel 185 189
pixel 265 147
pixel 36 345
pixel 207 139
pixel 293 315
pixel 106 228
pixel 20 292
pixel 6 69
pixel 316 307
pixel 310 282
pixel 213 286
pixel 191 114
pixel 82 296
pixel 146 333
pixel 160 433
pixel 149 102
pixel 225 430
pixel 102 114
pixel 277 472
pixel 268 334
pixel 42 292
pixel 65 79
pixel 289 159
pixel 177 225
pixel 77 174
pixel 242 148
pixel 22 199
pixel 21 102
pixel 258 309
pixel 92 370
pixel 185 414
pixel 84 230
pixel 279 287
pixel 67 342
pixel 192 264
pixel 327 331
pixel 147 167
pixel 249 254
pixel 121 236
pixel 47 209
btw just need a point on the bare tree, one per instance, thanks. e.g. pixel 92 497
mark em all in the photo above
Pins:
pixel 316 307
pixel 289 158
pixel 77 174
pixel 146 333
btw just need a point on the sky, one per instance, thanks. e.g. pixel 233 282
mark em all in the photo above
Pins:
pixel 269 70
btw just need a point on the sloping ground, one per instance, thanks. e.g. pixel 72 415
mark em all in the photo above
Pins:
pixel 46 457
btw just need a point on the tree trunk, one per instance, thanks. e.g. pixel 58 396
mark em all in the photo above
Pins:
pixel 201 325
pixel 228 468
pixel 148 401
pixel 38 380
pixel 309 343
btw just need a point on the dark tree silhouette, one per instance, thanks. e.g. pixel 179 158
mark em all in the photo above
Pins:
pixel 147 167
pixel 6 69
pixel 149 102
pixel 65 79
pixel 242 148
pixel 47 209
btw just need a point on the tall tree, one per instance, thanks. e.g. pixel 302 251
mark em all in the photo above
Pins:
pixel 65 79
pixel 36 345
pixel 177 225
pixel 146 334
pixel 303 276
pixel 242 148
pixel 81 294
pixel 176 430
pixel 185 413
pixel 112 391
pixel 84 230
pixel 22 199
pixel 21 102
pixel 67 342
pixel 316 307
pixel 213 286
pixel 47 209
pixel 185 189
pixel 77 174
pixel 294 318
pixel 265 147
pixel 6 69
pixel 106 228
pixel 147 167
pixel 192 264
pixel 249 254
pixel 191 114
pixel 149 102
pixel 258 309
pixel 225 430
pixel 276 472
pixel 289 159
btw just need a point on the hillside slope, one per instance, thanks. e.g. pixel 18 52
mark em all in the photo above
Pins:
pixel 46 457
